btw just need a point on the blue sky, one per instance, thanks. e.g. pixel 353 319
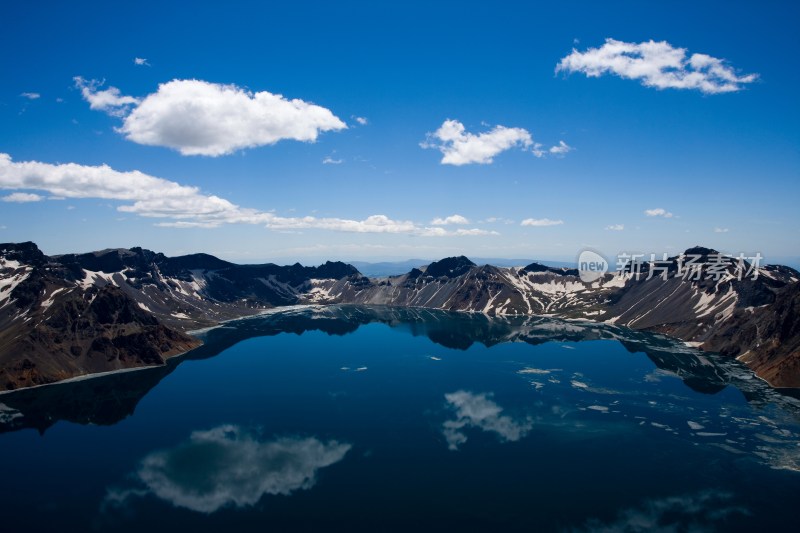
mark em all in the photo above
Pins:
pixel 724 163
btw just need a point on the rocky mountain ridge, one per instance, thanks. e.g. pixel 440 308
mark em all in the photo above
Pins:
pixel 76 314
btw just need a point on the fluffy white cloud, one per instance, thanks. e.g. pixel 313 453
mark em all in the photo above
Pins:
pixel 656 64
pixel 721 230
pixel 182 206
pixel 141 61
pixel 228 467
pixel 461 148
pixel 616 227
pixel 452 219
pixel 109 100
pixel 540 222
pixel 361 120
pixel 31 96
pixel 479 411
pixel 658 212
pixel 22 197
pixel 200 118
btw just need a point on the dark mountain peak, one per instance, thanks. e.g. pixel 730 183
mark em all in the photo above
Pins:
pixel 450 267
pixel 415 273
pixel 108 260
pixel 335 270
pixel 700 250
pixel 782 270
pixel 24 252
pixel 538 267
pixel 192 262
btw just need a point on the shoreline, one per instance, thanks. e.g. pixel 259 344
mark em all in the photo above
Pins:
pixel 92 375
pixel 193 333
pixel 264 312
pixel 197 333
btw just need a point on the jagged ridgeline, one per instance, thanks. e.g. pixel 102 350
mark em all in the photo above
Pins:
pixel 77 314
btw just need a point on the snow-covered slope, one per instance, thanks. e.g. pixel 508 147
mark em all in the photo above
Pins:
pixel 753 319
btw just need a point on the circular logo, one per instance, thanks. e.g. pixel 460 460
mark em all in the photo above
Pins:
pixel 591 266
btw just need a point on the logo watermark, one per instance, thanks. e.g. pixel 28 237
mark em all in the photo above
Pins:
pixel 591 266
pixel 689 267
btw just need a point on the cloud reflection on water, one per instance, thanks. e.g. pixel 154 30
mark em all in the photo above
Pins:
pixel 229 466
pixel 479 411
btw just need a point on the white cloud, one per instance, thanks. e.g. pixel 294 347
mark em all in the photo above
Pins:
pixel 331 161
pixel 183 206
pixel 439 231
pixel 461 148
pixel 196 117
pixel 479 411
pixel 498 220
pixel 31 96
pixel 656 64
pixel 721 230
pixel 371 224
pixel 141 61
pixel 474 231
pixel 658 212
pixel 616 227
pixel 361 120
pixel 560 149
pixel 22 197
pixel 228 467
pixel 109 100
pixel 452 219
pixel 539 222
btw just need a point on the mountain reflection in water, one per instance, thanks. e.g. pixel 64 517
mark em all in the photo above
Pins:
pixel 108 399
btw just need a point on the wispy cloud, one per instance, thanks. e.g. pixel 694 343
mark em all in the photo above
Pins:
pixel 31 96
pixel 721 230
pixel 328 160
pixel 540 222
pixel 658 212
pixel 197 117
pixel 182 206
pixel 496 220
pixel 140 61
pixel 452 219
pixel 615 227
pixel 108 100
pixel 22 197
pixel 656 64
pixel 438 231
pixel 481 412
pixel 561 149
pixel 361 120
pixel 460 147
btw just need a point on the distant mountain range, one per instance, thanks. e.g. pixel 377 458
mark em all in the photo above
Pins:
pixel 396 268
pixel 71 315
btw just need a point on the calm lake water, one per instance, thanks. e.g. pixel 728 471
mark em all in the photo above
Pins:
pixel 376 419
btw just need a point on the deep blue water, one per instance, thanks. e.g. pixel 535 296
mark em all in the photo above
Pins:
pixel 363 419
